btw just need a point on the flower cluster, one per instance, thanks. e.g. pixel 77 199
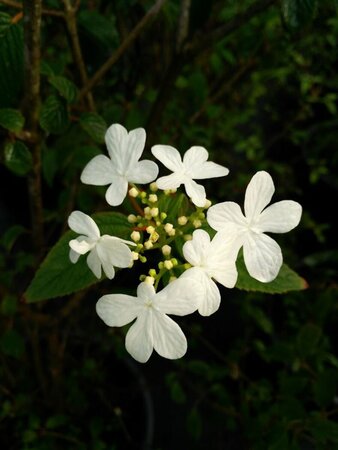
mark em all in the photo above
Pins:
pixel 207 240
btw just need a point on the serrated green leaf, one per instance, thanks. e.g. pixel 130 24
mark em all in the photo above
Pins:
pixel 94 125
pixel 11 61
pixel 54 115
pixel 298 12
pixel 287 280
pixel 57 276
pixel 65 87
pixel 11 119
pixel 17 158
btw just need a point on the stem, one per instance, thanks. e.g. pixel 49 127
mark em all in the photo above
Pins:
pixel 153 11
pixel 70 16
pixel 183 24
pixel 47 12
pixel 31 103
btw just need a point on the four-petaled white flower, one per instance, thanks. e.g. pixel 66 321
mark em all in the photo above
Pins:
pixel 262 255
pixel 153 329
pixel 211 260
pixel 104 251
pixel 123 166
pixel 193 167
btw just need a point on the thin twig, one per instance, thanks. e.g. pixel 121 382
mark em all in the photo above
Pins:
pixel 45 12
pixel 153 11
pixel 183 24
pixel 70 17
pixel 31 104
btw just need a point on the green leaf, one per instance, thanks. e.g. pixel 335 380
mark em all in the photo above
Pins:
pixel 11 235
pixel 9 305
pixel 18 158
pixel 99 28
pixel 11 61
pixel 57 276
pixel 325 387
pixel 174 205
pixel 12 344
pixel 54 115
pixel 287 280
pixel 94 125
pixel 298 12
pixel 65 88
pixel 11 119
pixel 308 339
pixel 324 430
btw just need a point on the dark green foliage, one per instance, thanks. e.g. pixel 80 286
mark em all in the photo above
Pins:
pixel 259 374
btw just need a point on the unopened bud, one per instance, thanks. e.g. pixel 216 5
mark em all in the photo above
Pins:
pixel 152 273
pixel 150 229
pixel 166 250
pixel 207 204
pixel 132 218
pixel 163 215
pixel 154 212
pixel 135 256
pixel 168 227
pixel 197 223
pixel 148 245
pixel 133 192
pixel 154 237
pixel 182 220
pixel 149 280
pixel 168 264
pixel 153 198
pixel 153 187
pixel 135 236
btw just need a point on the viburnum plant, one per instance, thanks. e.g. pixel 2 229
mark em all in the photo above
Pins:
pixel 198 245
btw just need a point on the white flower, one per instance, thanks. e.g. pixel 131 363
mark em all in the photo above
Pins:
pixel 153 329
pixel 211 260
pixel 193 167
pixel 104 251
pixel 262 255
pixel 123 166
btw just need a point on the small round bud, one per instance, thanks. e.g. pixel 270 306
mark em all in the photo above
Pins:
pixel 149 280
pixel 150 229
pixel 142 277
pixel 168 264
pixel 172 232
pixel 154 237
pixel 135 256
pixel 168 227
pixel 143 194
pixel 166 250
pixel 172 278
pixel 174 261
pixel 148 245
pixel 187 237
pixel 139 246
pixel 135 236
pixel 187 266
pixel 133 192
pixel 160 265
pixel 201 215
pixel 152 273
pixel 182 220
pixel 167 192
pixel 158 223
pixel 132 218
pixel 143 259
pixel 207 204
pixel 163 215
pixel 153 187
pixel 197 223
pixel 153 198
pixel 154 212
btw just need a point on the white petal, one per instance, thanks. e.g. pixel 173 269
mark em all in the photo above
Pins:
pixel 136 143
pixel 74 256
pixel 112 250
pixel 196 164
pixel 94 263
pixel 98 172
pixel 196 192
pixel 114 137
pixel 169 157
pixel 116 310
pixel 142 172
pixel 221 214
pixel 168 338
pixel 225 245
pixel 262 256
pixel 117 191
pixel 179 297
pixel 172 181
pixel 83 224
pixel 209 297
pixel 145 291
pixel 108 269
pixel 139 339
pixel 280 217
pixel 81 245
pixel 226 274
pixel 258 194
pixel 196 251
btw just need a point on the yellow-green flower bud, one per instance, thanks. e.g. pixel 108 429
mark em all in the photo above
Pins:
pixel 163 215
pixel 152 273
pixel 149 280
pixel 135 256
pixel 154 212
pixel 133 192
pixel 182 220
pixel 168 264
pixel 166 250
pixel 168 227
pixel 197 223
pixel 153 198
pixel 148 245
pixel 132 218
pixel 154 237
pixel 174 261
pixel 150 229
pixel 135 236
pixel 153 187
